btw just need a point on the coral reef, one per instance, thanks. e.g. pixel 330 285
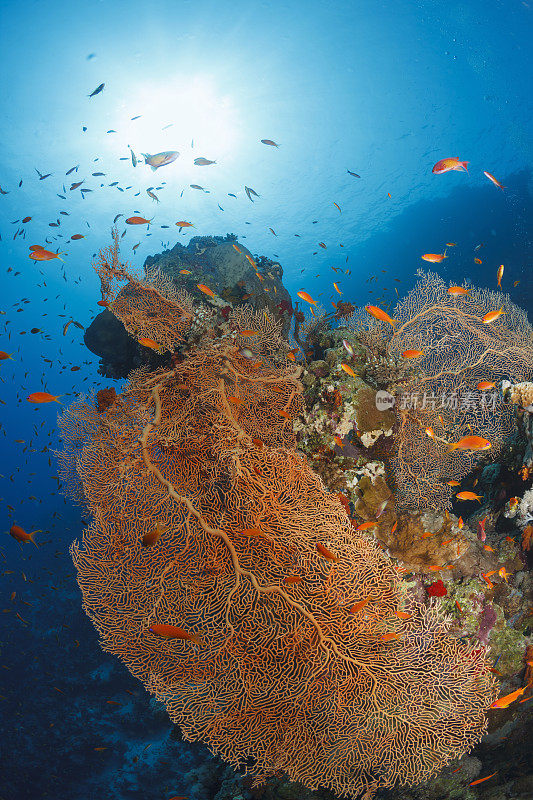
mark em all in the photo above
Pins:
pixel 438 401
pixel 293 640
pixel 228 268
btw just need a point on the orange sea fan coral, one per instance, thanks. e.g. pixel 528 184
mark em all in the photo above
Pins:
pixel 286 675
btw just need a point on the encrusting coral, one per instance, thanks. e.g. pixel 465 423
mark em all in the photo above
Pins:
pixel 294 645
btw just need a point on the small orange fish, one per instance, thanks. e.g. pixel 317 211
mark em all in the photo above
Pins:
pixel 487 580
pixel 148 343
pixel 338 441
pixel 307 298
pixel 403 615
pixel 365 526
pixel 183 224
pixel 412 353
pixel 326 553
pixel 394 526
pixel 451 244
pixel 470 443
pixel 26 219
pixel 469 496
pixel 149 539
pixel 284 414
pixel 77 236
pixel 251 532
pixel 430 432
pixel 459 609
pixel 359 605
pixel 493 179
pixel 173 632
pixel 492 315
pixel 460 523
pixel 20 535
pixel 5 356
pixel 482 386
pixel 453 483
pixel 348 369
pixel 457 291
pixel 447 164
pixel 42 397
pixel 478 261
pixel 515 284
pixel 503 574
pixel 205 289
pixel 138 221
pixel 480 780
pixel 381 315
pixel 44 255
pixel 434 258
pixel 337 288
pixel 499 275
pixel 185 272
pixel 488 548
pixel 387 637
pixel 292 579
pixel 505 702
pixel 236 400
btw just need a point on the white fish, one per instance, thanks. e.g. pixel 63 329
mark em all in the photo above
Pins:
pixel 348 347
pixel 160 159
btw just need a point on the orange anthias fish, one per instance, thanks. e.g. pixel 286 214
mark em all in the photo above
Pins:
pixel 42 397
pixel 469 496
pixel 348 369
pixel 205 289
pixel 148 343
pixel 447 164
pixel 306 297
pixel 378 313
pixel 359 605
pixel 138 221
pixel 5 356
pixel 20 535
pixel 499 275
pixel 412 353
pixel 505 702
pixel 325 553
pixel 434 258
pixel 183 224
pixel 482 386
pixel 492 316
pixel 149 539
pixel 365 526
pixel 457 291
pixel 41 254
pixel 470 443
pixel 480 780
pixel 493 179
pixel 173 632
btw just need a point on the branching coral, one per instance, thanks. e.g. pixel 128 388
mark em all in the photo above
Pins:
pixel 311 660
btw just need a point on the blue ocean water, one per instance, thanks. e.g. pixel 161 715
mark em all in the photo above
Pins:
pixel 381 89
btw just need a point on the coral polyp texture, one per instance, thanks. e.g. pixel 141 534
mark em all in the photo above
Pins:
pixel 438 400
pixel 299 650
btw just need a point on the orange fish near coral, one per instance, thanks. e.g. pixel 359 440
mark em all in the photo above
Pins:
pixel 348 369
pixel 412 353
pixel 482 386
pixel 505 702
pixel 434 258
pixel 469 496
pixel 183 224
pixel 148 343
pixel 481 780
pixel 365 526
pixel 492 316
pixel 307 298
pixel 499 275
pixel 205 289
pixel 457 291
pixel 447 164
pixel 470 443
pixel 326 553
pixel 173 632
pixel 359 605
pixel 381 315
pixel 149 539
pixel 42 397
pixel 138 221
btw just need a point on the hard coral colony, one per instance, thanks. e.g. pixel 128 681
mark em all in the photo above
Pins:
pixel 288 636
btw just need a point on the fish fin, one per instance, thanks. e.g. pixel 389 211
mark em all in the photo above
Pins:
pixel 463 164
